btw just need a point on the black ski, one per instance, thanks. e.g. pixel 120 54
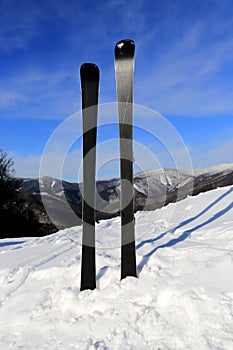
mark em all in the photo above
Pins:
pixel 124 69
pixel 89 74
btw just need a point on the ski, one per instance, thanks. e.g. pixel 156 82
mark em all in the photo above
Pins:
pixel 124 71
pixel 89 74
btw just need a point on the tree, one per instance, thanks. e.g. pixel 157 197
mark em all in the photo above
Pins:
pixel 16 217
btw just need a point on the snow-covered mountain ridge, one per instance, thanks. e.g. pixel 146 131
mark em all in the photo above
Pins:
pixel 152 190
pixel 183 298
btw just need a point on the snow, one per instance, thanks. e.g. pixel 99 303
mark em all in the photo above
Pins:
pixel 183 298
pixel 138 189
pixel 168 176
pixel 120 45
pixel 53 184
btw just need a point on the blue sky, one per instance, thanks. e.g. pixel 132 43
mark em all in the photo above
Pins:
pixel 183 70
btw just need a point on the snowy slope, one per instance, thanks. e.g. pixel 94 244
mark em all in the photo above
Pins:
pixel 183 298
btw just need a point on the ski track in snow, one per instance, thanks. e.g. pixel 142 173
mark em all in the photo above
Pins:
pixel 183 298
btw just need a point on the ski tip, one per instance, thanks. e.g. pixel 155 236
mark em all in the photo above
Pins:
pixel 125 49
pixel 89 68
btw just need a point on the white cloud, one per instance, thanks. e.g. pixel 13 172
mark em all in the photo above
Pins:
pixel 11 98
pixel 43 94
pixel 220 154
pixel 27 166
pixel 52 165
pixel 190 77
pixel 108 160
pixel 18 26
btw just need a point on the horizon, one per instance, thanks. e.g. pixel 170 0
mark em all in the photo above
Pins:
pixel 220 166
pixel 183 70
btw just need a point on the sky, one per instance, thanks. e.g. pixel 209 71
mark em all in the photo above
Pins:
pixel 183 70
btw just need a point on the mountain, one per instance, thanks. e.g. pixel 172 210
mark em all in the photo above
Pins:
pixel 55 194
pixel 152 190
pixel 182 298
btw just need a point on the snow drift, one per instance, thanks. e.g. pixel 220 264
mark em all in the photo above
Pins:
pixel 183 298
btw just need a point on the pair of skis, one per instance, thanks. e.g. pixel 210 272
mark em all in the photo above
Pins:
pixel 89 73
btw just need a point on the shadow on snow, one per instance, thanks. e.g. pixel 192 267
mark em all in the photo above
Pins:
pixel 5 244
pixel 186 233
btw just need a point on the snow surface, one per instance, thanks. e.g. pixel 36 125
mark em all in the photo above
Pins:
pixel 183 298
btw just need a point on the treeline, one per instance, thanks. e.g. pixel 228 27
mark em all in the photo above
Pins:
pixel 17 219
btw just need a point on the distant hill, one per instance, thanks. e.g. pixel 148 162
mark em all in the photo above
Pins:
pixel 152 190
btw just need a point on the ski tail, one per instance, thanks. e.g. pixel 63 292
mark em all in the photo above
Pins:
pixel 89 75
